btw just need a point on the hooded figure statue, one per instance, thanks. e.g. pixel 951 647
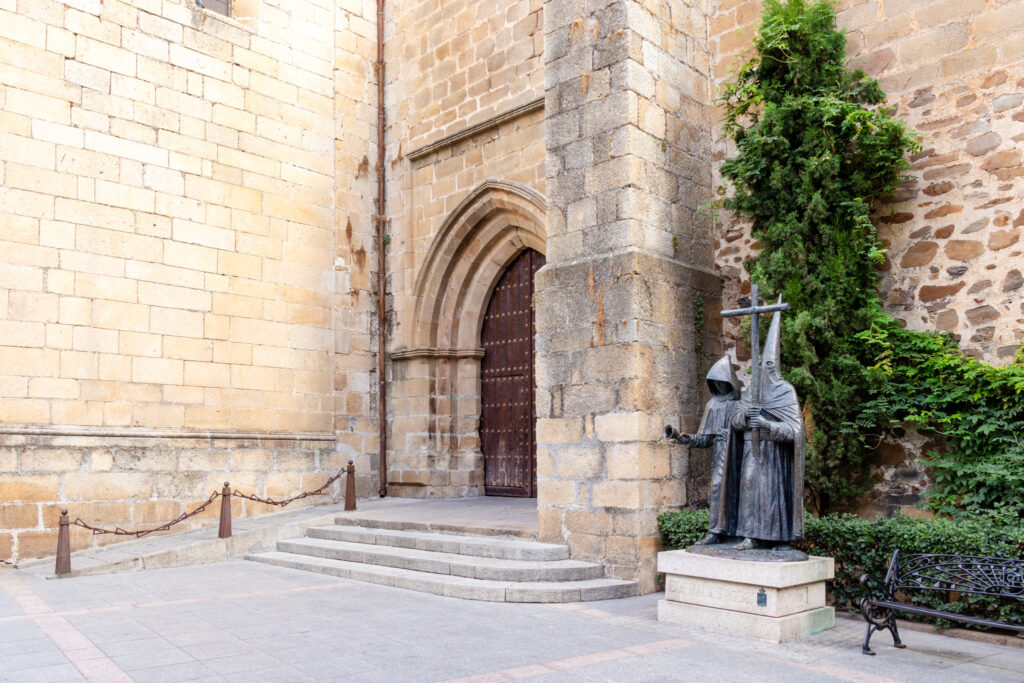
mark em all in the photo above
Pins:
pixel 714 431
pixel 771 486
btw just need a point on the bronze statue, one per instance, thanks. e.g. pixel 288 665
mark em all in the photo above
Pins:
pixel 772 479
pixel 723 494
pixel 756 494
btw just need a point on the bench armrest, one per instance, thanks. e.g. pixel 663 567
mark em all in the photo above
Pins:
pixel 874 588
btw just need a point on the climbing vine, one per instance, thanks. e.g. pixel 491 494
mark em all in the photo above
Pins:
pixel 977 409
pixel 815 146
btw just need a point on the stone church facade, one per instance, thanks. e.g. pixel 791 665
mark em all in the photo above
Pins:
pixel 191 232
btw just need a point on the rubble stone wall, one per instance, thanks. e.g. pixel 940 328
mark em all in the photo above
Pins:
pixel 954 70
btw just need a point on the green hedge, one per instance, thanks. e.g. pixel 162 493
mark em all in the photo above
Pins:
pixel 860 546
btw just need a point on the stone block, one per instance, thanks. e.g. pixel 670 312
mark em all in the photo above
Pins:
pixel 777 601
pixel 107 486
pixel 29 488
pixel 774 629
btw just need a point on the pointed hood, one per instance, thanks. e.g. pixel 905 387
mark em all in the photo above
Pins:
pixel 722 371
pixel 774 389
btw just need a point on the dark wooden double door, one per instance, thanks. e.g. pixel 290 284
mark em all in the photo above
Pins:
pixel 507 414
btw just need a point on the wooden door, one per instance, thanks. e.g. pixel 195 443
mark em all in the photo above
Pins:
pixel 507 414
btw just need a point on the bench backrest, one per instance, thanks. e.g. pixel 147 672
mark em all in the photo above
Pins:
pixel 996 576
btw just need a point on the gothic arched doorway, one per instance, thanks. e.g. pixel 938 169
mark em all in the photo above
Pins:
pixel 507 384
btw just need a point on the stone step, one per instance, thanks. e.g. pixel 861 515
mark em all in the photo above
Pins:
pixel 499 547
pixel 455 586
pixel 374 522
pixel 470 566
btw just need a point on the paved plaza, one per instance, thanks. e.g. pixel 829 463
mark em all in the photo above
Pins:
pixel 244 621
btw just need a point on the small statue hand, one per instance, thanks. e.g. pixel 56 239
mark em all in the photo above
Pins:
pixel 685 439
pixel 754 419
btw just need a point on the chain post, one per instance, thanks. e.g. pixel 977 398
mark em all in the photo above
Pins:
pixel 350 487
pixel 225 512
pixel 63 545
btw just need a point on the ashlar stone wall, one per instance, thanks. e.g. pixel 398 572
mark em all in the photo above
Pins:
pixel 629 256
pixel 168 284
pixel 465 196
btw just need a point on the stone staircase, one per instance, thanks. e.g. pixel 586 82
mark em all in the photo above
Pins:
pixel 457 562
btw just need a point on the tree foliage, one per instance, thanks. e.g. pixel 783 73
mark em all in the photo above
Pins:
pixel 815 148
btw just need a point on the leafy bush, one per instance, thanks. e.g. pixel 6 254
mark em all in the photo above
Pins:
pixel 926 381
pixel 815 147
pixel 860 546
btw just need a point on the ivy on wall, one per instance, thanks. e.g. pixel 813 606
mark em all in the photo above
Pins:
pixel 977 409
pixel 816 147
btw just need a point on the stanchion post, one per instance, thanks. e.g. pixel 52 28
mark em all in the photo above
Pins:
pixel 63 545
pixel 225 512
pixel 350 487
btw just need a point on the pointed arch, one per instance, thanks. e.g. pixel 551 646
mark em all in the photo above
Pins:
pixel 476 242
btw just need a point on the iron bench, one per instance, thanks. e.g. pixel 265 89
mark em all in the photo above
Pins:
pixel 994 576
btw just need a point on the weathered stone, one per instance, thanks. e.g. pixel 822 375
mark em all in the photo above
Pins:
pixel 934 292
pixel 1012 281
pixel 979 286
pixel 1001 239
pixel 897 297
pixel 945 231
pixel 993 79
pixel 945 210
pixel 976 226
pixel 982 144
pixel 892 453
pixel 897 218
pixel 984 335
pixel 982 314
pixel 920 254
pixel 947 321
pixel 936 189
pixel 1009 158
pixel 954 171
pixel 971 128
pixel 1007 102
pixel 964 250
pixel 921 98
pixel 1007 351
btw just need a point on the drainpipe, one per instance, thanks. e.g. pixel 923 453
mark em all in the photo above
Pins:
pixel 381 262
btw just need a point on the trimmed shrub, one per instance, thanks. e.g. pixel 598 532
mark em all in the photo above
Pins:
pixel 860 546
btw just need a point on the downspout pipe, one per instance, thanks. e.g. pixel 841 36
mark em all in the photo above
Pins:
pixel 382 222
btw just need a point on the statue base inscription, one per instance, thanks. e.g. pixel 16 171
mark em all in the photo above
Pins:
pixel 771 600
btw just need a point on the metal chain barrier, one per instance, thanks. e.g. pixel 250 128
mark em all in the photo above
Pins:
pixel 63 537
pixel 118 531
pixel 282 503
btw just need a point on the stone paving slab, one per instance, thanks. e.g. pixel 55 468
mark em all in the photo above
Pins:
pixel 244 621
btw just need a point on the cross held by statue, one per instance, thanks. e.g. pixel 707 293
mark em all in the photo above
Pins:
pixel 754 311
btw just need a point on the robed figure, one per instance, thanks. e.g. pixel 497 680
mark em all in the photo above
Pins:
pixel 770 511
pixel 714 431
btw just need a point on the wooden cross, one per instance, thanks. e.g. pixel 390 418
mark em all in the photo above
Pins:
pixel 754 311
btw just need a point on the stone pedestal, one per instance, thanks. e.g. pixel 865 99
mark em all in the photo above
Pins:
pixel 777 601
